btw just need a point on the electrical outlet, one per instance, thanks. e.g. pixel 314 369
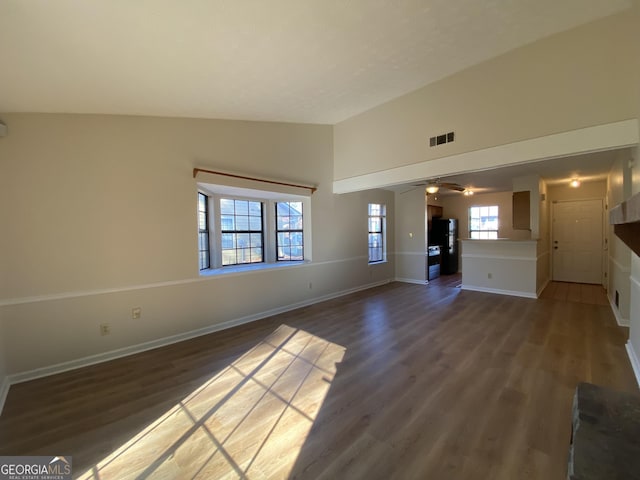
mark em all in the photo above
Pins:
pixel 136 313
pixel 105 329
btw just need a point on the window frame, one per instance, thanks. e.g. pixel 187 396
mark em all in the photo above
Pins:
pixel 206 232
pixel 268 199
pixel 382 216
pixel 288 230
pixel 237 232
pixel 481 230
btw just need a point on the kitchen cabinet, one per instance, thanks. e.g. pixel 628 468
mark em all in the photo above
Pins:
pixel 521 210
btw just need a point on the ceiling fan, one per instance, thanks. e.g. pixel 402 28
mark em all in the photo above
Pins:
pixel 433 186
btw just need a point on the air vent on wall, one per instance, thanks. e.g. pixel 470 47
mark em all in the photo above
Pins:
pixel 441 139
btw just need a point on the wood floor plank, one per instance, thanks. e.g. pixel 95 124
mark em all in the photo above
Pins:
pixel 400 381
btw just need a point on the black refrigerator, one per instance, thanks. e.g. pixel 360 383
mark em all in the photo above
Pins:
pixel 444 232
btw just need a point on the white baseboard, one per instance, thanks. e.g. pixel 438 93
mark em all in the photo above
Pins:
pixel 4 391
pixel 633 358
pixel 161 342
pixel 622 322
pixel 411 280
pixel 513 293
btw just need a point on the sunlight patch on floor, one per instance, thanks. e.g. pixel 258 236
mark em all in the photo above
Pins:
pixel 249 421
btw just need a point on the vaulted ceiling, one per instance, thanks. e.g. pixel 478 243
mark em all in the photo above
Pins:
pixel 278 60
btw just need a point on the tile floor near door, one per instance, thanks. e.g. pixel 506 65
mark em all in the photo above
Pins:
pixel 400 381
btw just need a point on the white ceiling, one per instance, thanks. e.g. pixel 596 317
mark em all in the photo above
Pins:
pixel 313 61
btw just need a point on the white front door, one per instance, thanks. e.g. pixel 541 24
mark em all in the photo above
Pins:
pixel 577 241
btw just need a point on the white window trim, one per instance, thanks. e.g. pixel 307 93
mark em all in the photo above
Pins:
pixel 497 231
pixel 383 223
pixel 269 200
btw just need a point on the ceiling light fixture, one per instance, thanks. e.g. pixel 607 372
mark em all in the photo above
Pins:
pixel 467 192
pixel 575 183
pixel 432 189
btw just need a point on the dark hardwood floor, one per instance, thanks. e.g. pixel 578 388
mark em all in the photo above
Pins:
pixel 400 381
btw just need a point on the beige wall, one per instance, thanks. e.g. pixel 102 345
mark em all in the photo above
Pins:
pixel 98 216
pixel 410 236
pixel 587 190
pixel 562 83
pixel 4 383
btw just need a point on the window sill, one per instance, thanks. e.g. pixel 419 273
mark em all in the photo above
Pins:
pixel 250 268
pixel 378 263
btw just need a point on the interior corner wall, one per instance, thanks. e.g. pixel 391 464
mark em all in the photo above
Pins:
pixel 410 236
pixel 575 79
pixel 98 216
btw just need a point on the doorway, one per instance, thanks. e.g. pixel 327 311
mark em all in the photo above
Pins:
pixel 577 235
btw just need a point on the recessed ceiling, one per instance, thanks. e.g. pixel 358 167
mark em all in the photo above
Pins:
pixel 279 60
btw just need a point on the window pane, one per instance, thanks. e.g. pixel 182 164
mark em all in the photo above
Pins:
pixel 483 222
pixel 376 237
pixel 295 238
pixel 227 222
pixel 375 240
pixel 283 239
pixel 289 217
pixel 242 207
pixel 374 209
pixel 295 222
pixel 256 240
pixel 228 257
pixel 255 223
pixel 238 217
pixel 255 208
pixel 242 240
pixel 203 232
pixel 242 223
pixel 226 206
pixel 204 260
pixel 282 223
pixel 228 240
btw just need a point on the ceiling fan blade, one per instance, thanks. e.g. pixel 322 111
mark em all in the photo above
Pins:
pixel 453 186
